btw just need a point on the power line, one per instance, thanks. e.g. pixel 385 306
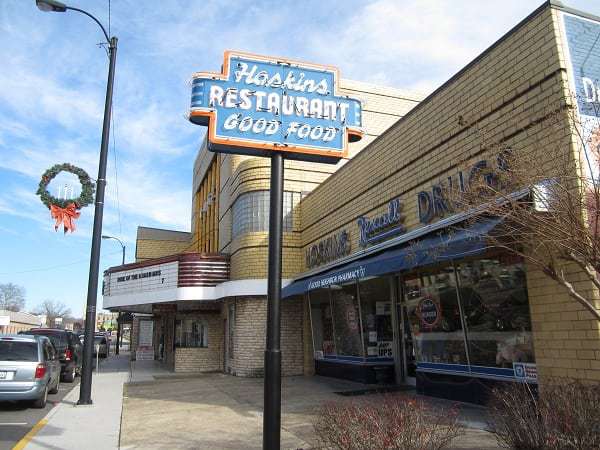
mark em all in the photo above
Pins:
pixel 42 269
pixel 114 149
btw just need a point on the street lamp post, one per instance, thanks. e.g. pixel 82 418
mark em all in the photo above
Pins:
pixel 85 388
pixel 104 236
pixel 119 312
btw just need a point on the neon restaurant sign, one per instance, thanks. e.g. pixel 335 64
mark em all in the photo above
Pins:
pixel 262 104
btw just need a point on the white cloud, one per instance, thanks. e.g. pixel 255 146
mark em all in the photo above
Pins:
pixel 414 44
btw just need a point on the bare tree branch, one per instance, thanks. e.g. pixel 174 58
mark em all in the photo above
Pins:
pixel 12 297
pixel 558 220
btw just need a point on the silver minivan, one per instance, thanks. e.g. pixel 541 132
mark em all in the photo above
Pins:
pixel 29 369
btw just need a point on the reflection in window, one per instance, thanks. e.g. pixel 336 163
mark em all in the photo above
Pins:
pixel 346 320
pixel 496 308
pixel 191 333
pixel 376 309
pixel 322 323
pixel 434 316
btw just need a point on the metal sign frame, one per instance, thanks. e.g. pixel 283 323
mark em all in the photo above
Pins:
pixel 258 90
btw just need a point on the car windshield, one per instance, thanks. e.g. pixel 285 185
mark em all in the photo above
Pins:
pixel 18 351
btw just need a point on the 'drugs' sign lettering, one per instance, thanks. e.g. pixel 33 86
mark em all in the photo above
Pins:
pixel 259 104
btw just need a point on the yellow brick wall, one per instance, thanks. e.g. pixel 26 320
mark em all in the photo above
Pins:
pixel 508 98
pixel 149 248
pixel 240 174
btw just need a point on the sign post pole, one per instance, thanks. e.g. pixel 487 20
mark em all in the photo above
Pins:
pixel 272 388
pixel 271 107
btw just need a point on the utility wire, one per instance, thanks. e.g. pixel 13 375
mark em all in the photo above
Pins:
pixel 114 149
pixel 42 269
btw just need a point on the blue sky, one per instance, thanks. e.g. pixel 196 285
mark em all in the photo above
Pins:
pixel 53 79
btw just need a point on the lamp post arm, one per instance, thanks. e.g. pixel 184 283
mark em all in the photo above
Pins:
pixel 122 245
pixel 94 19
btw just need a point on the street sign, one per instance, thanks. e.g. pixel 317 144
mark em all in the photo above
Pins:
pixel 260 104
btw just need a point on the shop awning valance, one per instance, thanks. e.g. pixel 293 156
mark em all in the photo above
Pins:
pixel 439 246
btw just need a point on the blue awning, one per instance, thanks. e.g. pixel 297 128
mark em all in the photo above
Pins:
pixel 435 247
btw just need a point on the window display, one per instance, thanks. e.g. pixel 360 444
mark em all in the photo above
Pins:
pixel 322 323
pixel 434 316
pixel 376 309
pixel 346 320
pixel 496 308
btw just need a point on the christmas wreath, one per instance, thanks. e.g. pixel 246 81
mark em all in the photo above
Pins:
pixel 65 211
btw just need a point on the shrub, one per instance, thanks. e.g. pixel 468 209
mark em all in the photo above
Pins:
pixel 388 423
pixel 564 416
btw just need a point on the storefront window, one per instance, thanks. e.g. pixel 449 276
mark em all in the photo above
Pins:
pixel 191 333
pixel 496 308
pixel 322 323
pixel 346 320
pixel 434 316
pixel 376 309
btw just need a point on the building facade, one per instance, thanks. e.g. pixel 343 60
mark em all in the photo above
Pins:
pixel 12 322
pixel 382 280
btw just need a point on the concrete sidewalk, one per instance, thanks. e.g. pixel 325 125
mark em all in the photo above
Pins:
pixel 217 411
pixel 68 426
pixel 139 404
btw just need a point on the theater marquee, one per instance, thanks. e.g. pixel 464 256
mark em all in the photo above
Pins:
pixel 259 104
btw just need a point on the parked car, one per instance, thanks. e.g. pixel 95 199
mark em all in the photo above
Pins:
pixel 69 348
pixel 29 369
pixel 102 344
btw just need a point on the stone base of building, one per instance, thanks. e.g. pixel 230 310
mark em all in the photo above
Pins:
pixel 227 336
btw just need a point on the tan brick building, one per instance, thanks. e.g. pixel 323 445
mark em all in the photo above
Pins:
pixel 12 322
pixel 369 293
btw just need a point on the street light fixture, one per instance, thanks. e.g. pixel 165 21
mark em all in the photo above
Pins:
pixel 51 6
pixel 85 387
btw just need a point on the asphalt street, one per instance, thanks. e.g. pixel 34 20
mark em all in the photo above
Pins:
pixel 16 419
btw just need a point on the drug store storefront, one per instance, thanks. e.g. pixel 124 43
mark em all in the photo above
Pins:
pixel 435 308
pixel 416 292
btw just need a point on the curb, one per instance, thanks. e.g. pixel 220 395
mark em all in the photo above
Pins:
pixel 42 422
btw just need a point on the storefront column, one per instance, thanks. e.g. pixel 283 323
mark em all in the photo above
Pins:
pixel 463 322
pixel 360 322
pixel 332 320
pixel 398 334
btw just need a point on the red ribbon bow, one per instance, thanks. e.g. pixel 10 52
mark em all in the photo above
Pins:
pixel 66 216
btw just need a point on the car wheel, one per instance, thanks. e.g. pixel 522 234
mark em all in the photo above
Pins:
pixel 54 390
pixel 41 402
pixel 70 375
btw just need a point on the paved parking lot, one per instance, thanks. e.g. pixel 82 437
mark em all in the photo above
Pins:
pixel 221 411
